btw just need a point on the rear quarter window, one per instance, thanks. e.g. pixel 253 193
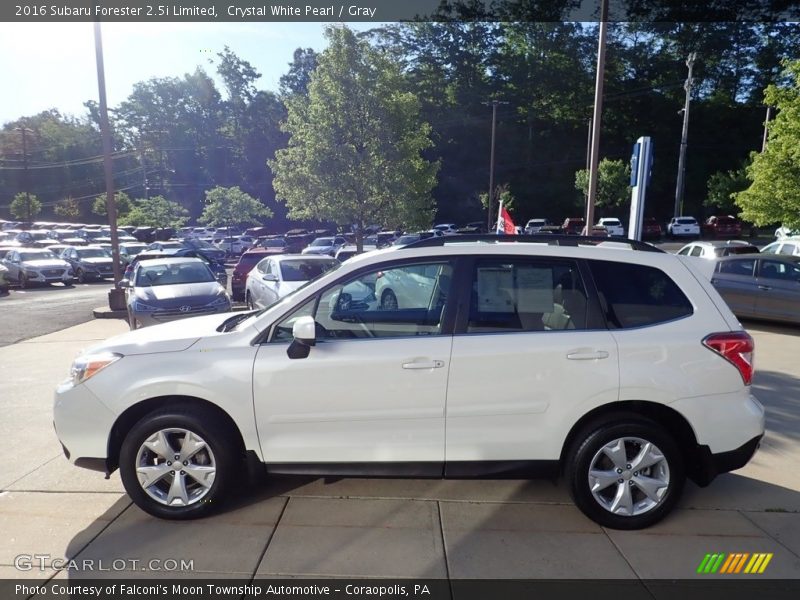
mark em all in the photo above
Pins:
pixel 637 295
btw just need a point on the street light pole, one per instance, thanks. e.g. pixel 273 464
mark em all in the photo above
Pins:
pixel 684 138
pixel 25 178
pixel 495 104
pixel 766 123
pixel 596 115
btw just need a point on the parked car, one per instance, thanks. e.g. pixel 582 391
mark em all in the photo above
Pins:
pixel 128 250
pixel 4 282
pixel 760 286
pixel 236 245
pixel 89 263
pixel 447 228
pixel 273 245
pixel 533 226
pixel 166 289
pixel 408 238
pixel 325 245
pixel 205 248
pixel 349 251
pixel 474 227
pixel 328 381
pixel 29 238
pixel 218 268
pixel 247 261
pixel 34 265
pixel 613 226
pixel 166 247
pixel 277 276
pixel 784 232
pixel 716 249
pixel 683 227
pixel 722 227
pixel 573 226
pixel 651 229
pixel 786 246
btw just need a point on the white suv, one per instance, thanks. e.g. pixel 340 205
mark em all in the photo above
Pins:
pixel 613 363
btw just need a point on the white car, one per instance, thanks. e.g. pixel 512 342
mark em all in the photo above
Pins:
pixel 787 246
pixel 277 276
pixel 683 227
pixel 785 232
pixel 236 244
pixel 327 246
pixel 34 265
pixel 504 360
pixel 614 226
pixel 534 226
pixel 447 228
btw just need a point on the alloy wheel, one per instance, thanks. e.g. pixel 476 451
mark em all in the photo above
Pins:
pixel 629 476
pixel 176 467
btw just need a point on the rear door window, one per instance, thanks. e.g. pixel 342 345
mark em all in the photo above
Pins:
pixel 637 295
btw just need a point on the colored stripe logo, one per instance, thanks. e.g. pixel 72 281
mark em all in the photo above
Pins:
pixel 734 563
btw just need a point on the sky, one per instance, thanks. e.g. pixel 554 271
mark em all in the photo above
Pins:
pixel 52 65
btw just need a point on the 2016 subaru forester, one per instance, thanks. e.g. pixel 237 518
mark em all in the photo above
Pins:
pixel 610 361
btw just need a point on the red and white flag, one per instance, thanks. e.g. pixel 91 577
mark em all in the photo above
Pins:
pixel 505 226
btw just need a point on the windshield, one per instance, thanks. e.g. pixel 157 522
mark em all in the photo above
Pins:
pixel 686 221
pixel 304 270
pixel 198 244
pixel 173 274
pixel 92 253
pixel 326 241
pixel 273 244
pixel 132 250
pixel 46 255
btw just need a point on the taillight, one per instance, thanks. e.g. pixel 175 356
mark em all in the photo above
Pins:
pixel 737 347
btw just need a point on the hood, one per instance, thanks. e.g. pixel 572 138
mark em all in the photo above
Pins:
pixel 46 263
pixel 173 336
pixel 318 250
pixel 170 296
pixel 97 261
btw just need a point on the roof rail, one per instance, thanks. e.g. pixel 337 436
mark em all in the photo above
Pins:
pixel 549 239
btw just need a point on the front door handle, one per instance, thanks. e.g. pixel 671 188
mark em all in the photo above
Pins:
pixel 588 355
pixel 428 364
pixel 766 288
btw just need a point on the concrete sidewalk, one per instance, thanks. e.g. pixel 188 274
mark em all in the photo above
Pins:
pixel 299 527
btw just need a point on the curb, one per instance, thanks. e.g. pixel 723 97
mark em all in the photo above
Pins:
pixel 106 313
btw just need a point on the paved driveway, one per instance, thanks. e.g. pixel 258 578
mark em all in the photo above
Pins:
pixel 306 527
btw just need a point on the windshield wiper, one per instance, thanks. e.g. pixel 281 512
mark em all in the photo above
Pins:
pixel 233 321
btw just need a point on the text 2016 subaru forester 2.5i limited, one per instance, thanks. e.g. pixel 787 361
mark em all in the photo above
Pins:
pixel 464 356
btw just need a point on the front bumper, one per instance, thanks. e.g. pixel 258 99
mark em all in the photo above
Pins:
pixel 167 315
pixel 47 276
pixel 83 425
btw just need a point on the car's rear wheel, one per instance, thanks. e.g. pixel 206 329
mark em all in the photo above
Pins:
pixel 625 474
pixel 178 463
pixel 81 276
pixel 249 301
pixel 23 281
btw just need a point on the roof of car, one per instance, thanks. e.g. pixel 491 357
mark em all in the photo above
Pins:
pixel 788 258
pixel 172 260
pixel 282 257
pixel 720 243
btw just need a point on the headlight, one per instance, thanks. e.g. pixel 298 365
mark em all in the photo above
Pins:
pixel 140 306
pixel 221 301
pixel 89 365
pixel 30 273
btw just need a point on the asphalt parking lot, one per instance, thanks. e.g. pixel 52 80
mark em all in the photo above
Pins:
pixel 310 527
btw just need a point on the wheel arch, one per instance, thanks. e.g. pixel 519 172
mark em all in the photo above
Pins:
pixel 132 415
pixel 668 418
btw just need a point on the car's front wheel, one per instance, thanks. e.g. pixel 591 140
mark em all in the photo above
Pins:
pixel 178 463
pixel 625 474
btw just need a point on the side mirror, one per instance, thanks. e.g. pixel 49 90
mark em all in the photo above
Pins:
pixel 123 283
pixel 270 277
pixel 304 332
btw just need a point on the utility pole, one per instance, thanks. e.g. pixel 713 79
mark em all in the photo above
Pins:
pixel 684 138
pixel 25 180
pixel 597 114
pixel 766 123
pixel 116 294
pixel 494 104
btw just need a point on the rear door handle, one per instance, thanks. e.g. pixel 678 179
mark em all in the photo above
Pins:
pixel 587 355
pixel 766 288
pixel 428 364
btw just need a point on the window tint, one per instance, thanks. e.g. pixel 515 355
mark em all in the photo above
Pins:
pixel 772 269
pixel 685 251
pixel 788 249
pixel 637 295
pixel 771 248
pixel 524 295
pixel 696 251
pixel 399 302
pixel 743 267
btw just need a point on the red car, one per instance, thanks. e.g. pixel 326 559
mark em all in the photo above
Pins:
pixel 651 229
pixel 247 261
pixel 722 227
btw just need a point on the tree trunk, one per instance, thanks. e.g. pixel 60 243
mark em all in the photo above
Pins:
pixel 359 237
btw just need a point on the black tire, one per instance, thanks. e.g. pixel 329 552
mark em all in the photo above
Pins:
pixel 223 453
pixel 80 276
pixel 248 300
pixel 389 301
pixel 592 440
pixel 23 281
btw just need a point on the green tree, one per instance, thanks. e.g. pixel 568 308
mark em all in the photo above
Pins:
pixel 231 206
pixel 25 206
pixel 123 205
pixel 296 80
pixel 355 151
pixel 723 187
pixel 156 211
pixel 69 208
pixel 774 194
pixel 613 183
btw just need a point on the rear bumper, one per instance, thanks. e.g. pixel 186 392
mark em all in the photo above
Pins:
pixel 708 465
